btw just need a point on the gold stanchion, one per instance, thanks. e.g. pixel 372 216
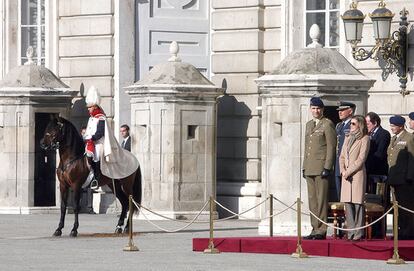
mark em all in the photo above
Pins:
pixel 395 257
pixel 130 246
pixel 211 249
pixel 271 216
pixel 299 251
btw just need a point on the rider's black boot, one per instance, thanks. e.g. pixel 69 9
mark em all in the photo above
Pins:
pixel 96 166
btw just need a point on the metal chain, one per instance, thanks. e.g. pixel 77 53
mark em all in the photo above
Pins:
pixel 353 229
pixel 262 218
pixel 241 214
pixel 291 206
pixel 176 230
pixel 279 213
pixel 169 218
pixel 248 210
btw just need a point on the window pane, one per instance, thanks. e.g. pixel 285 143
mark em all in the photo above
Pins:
pixel 319 19
pixel 43 41
pixel 29 38
pixel 29 12
pixel 333 4
pixel 42 18
pixel 333 28
pixel 315 4
pixel 33 34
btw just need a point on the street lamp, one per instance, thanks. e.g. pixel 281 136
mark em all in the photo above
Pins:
pixel 391 49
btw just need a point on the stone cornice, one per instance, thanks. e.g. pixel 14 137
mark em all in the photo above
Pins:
pixel 175 90
pixel 37 92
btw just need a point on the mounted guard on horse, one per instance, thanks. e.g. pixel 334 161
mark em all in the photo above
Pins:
pixel 104 153
pixel 113 166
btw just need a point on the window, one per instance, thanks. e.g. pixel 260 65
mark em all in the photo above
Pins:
pixel 33 30
pixel 324 13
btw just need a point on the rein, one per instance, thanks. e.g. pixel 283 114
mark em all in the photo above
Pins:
pixel 66 165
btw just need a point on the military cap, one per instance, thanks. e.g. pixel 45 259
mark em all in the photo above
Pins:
pixel 411 115
pixel 345 105
pixel 397 120
pixel 316 101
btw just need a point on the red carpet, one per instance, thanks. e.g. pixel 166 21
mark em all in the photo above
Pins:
pixel 372 249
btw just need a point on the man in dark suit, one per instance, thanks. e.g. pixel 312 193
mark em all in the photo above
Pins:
pixel 411 122
pixel 376 163
pixel 126 142
pixel 345 111
pixel 401 173
pixel 318 160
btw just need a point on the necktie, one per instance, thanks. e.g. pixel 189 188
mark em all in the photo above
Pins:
pixel 341 126
pixel 123 144
pixel 313 125
pixel 394 140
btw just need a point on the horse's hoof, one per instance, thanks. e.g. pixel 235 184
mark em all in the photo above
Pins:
pixel 73 233
pixel 126 230
pixel 118 230
pixel 57 233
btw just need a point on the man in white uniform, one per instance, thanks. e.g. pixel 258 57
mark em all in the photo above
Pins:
pixel 95 133
pixel 103 150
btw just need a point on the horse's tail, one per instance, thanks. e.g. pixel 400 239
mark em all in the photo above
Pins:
pixel 137 188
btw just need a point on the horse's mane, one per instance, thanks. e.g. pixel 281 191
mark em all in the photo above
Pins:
pixel 73 140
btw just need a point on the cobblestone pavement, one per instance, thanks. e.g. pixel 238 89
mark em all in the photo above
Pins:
pixel 26 244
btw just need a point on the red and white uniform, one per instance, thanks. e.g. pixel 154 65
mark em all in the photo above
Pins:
pixel 95 135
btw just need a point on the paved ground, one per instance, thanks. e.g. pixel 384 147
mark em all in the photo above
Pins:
pixel 25 244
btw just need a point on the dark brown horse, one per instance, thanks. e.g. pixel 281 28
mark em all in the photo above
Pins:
pixel 73 171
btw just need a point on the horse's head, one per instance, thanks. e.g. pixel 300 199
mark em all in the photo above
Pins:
pixel 53 134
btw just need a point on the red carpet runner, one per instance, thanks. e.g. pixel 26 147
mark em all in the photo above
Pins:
pixel 373 249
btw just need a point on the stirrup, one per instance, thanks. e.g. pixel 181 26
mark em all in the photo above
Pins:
pixel 94 184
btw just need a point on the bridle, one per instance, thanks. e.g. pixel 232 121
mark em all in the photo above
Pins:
pixel 54 143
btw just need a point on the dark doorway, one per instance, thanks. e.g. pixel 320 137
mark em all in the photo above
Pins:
pixel 45 165
pixel 331 113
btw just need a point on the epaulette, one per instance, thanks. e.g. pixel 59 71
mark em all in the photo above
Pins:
pixel 100 116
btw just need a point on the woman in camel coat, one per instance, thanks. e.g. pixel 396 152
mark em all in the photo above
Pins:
pixel 352 164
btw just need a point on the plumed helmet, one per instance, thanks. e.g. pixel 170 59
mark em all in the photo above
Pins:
pixel 93 97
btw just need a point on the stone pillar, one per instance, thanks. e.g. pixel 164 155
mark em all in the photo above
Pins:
pixel 285 96
pixel 245 44
pixel 24 92
pixel 173 114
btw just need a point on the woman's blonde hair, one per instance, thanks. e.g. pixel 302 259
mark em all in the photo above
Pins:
pixel 363 129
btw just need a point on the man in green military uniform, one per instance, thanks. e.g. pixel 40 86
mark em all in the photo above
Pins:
pixel 319 158
pixel 401 173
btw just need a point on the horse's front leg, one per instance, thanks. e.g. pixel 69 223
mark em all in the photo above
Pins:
pixel 63 204
pixel 76 209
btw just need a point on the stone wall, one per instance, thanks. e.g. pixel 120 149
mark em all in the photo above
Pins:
pixel 383 96
pixel 86 51
pixel 9 38
pixel 88 54
pixel 245 45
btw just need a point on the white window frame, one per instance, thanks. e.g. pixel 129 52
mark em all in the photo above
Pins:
pixel 327 33
pixel 22 58
pixel 11 35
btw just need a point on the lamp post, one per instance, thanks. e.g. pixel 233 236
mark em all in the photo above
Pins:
pixel 391 48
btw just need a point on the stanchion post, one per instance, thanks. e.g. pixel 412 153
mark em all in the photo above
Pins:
pixel 271 216
pixel 299 251
pixel 395 257
pixel 130 246
pixel 211 249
